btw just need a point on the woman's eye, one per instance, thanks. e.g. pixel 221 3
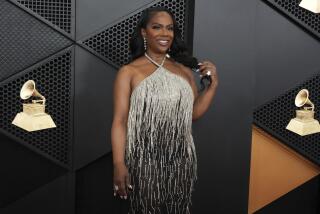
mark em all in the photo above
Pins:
pixel 155 27
pixel 170 28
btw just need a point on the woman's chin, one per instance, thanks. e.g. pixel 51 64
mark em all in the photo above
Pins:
pixel 162 50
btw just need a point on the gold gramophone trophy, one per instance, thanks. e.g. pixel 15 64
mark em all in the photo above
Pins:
pixel 33 117
pixel 304 122
pixel 311 5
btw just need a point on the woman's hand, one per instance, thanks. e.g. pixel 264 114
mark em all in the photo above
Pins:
pixel 121 181
pixel 208 68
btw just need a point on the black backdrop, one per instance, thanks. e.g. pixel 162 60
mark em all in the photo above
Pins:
pixel 223 33
pixel 254 47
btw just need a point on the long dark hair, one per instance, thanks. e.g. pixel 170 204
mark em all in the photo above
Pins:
pixel 178 50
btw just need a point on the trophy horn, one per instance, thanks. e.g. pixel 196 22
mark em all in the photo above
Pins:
pixel 29 89
pixel 302 98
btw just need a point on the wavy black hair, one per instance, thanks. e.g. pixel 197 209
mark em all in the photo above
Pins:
pixel 178 50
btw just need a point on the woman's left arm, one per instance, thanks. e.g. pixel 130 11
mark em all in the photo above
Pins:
pixel 204 99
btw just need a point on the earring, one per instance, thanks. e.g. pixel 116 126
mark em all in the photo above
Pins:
pixel 145 43
pixel 167 54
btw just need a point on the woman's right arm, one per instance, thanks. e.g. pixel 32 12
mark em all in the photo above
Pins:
pixel 121 97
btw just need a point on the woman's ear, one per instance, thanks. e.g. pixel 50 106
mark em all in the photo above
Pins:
pixel 143 33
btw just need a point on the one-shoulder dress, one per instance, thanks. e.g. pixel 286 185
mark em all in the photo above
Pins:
pixel 160 152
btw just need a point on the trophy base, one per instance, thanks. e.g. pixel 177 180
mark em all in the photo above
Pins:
pixel 302 127
pixel 33 122
pixel 33 108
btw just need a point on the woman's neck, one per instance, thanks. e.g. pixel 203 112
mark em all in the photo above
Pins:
pixel 158 57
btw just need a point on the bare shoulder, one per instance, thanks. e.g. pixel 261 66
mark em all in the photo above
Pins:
pixel 128 71
pixel 187 71
pixel 125 71
pixel 134 65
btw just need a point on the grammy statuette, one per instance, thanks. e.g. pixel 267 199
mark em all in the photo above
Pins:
pixel 304 122
pixel 33 117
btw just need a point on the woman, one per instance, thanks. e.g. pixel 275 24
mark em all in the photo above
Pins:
pixel 155 102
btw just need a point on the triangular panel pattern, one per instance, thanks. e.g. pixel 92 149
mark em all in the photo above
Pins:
pixel 53 80
pixel 113 42
pixel 58 12
pixel 24 40
pixel 275 115
pixel 31 171
pixel 308 19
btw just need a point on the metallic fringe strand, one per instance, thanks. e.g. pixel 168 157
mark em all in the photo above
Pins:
pixel 160 152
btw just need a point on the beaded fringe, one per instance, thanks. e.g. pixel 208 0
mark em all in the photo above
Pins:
pixel 160 152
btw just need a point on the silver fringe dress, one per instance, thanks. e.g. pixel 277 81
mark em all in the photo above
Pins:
pixel 160 152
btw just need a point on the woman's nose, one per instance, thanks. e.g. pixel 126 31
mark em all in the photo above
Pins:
pixel 165 32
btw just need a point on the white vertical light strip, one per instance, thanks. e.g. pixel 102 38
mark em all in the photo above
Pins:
pixel 311 5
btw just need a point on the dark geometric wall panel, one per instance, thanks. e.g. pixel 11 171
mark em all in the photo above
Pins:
pixel 87 11
pixel 283 43
pixel 58 12
pixel 93 107
pixel 52 198
pixel 53 80
pixel 22 171
pixel 307 19
pixel 24 40
pixel 275 115
pixel 113 43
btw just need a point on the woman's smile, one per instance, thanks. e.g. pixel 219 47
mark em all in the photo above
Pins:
pixel 163 42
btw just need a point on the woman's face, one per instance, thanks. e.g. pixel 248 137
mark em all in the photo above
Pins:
pixel 159 32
